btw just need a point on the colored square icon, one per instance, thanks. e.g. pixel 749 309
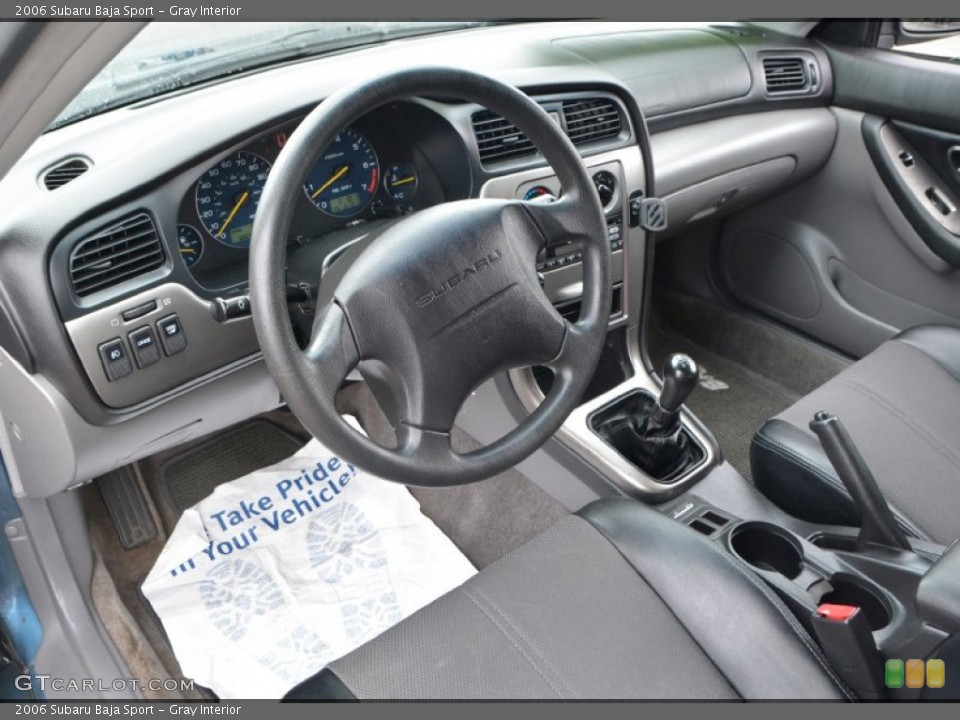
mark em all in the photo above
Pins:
pixel 936 673
pixel 915 673
pixel 893 673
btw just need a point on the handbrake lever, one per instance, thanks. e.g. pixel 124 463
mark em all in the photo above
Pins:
pixel 877 524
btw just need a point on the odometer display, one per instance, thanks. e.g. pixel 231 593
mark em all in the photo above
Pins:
pixel 228 195
pixel 345 178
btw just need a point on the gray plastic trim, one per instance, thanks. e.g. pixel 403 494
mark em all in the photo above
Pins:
pixel 211 344
pixel 48 447
pixel 690 155
pixel 726 193
pixel 486 416
pixel 919 178
pixel 576 435
pixel 75 644
pixel 564 284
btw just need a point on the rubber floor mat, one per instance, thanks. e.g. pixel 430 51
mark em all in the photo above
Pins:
pixel 184 479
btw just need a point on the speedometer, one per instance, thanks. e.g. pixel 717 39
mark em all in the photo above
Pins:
pixel 345 178
pixel 228 195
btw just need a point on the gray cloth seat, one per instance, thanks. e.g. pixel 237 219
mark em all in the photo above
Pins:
pixel 618 601
pixel 901 405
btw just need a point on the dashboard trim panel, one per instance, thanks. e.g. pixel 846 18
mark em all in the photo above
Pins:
pixel 211 344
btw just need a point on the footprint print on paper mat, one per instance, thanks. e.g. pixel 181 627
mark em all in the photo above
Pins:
pixel 345 547
pixel 347 552
pixel 297 655
pixel 236 593
pixel 366 619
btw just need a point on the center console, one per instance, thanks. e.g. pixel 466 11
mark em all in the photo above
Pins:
pixel 867 595
pixel 872 597
pixel 611 428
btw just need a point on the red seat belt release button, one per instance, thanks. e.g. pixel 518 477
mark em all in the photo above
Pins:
pixel 836 613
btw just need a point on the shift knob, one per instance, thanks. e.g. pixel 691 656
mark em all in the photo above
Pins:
pixel 680 375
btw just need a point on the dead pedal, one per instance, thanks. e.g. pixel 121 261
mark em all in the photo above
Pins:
pixel 128 508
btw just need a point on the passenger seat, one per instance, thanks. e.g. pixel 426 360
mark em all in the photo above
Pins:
pixel 901 405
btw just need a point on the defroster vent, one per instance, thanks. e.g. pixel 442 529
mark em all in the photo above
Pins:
pixel 65 171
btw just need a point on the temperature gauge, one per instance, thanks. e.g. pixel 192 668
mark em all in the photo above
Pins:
pixel 191 244
pixel 400 181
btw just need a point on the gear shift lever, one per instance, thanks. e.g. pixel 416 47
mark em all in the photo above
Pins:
pixel 648 432
pixel 680 375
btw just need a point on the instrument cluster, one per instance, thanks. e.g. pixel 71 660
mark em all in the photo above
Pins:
pixel 381 167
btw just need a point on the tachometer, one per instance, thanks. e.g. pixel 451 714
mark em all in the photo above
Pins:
pixel 344 179
pixel 227 197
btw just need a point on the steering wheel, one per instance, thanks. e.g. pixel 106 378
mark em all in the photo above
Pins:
pixel 441 301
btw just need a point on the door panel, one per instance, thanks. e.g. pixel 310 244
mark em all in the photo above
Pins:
pixel 840 248
pixel 871 244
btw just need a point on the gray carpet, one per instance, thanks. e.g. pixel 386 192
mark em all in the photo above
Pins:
pixel 127 569
pixel 486 520
pixel 789 360
pixel 763 368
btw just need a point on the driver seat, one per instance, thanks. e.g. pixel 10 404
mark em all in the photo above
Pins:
pixel 617 601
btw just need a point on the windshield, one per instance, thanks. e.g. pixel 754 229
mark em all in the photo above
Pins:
pixel 169 56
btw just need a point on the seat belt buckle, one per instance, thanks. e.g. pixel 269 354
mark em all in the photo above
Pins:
pixel 845 636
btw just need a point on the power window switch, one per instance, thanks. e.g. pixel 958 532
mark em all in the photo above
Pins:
pixel 170 330
pixel 144 345
pixel 116 361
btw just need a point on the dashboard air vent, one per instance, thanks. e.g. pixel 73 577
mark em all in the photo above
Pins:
pixel 786 74
pixel 498 139
pixel 65 171
pixel 116 253
pixel 591 120
pixel 586 120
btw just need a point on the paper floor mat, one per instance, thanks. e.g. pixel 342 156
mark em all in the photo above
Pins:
pixel 288 568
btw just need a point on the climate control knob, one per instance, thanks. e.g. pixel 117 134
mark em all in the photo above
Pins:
pixel 606 185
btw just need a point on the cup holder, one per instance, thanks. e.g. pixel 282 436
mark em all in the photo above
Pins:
pixel 767 547
pixel 847 590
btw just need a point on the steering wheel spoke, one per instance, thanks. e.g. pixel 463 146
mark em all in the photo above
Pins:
pixel 425 446
pixel 560 220
pixel 332 352
pixel 566 364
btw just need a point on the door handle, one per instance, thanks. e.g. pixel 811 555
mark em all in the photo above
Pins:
pixel 953 157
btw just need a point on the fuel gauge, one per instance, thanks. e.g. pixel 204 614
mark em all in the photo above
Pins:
pixel 400 181
pixel 191 245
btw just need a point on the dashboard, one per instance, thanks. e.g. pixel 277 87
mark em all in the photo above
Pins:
pixel 124 318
